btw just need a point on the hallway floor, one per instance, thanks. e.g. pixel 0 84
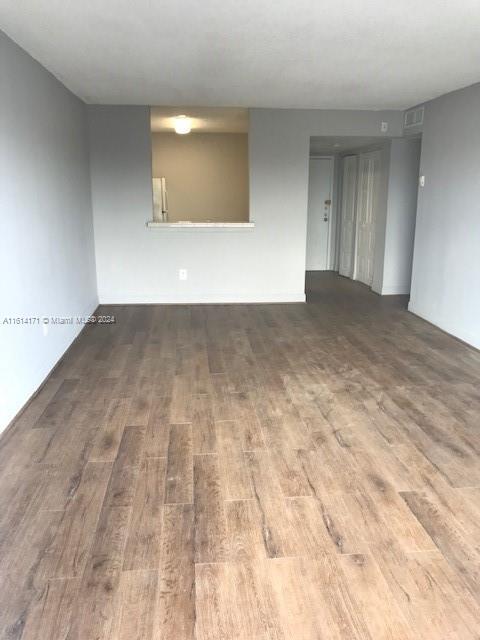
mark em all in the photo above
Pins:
pixel 248 472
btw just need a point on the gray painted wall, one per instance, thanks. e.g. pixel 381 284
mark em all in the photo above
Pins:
pixel 136 264
pixel 381 218
pixel 446 264
pixel 47 250
pixel 401 215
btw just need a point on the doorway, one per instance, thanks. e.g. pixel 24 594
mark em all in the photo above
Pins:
pixel 320 189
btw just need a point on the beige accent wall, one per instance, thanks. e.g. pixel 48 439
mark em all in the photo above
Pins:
pixel 206 174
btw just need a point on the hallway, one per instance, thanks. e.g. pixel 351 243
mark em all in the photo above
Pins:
pixel 248 472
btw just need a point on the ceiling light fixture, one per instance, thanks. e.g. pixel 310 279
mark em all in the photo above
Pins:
pixel 183 125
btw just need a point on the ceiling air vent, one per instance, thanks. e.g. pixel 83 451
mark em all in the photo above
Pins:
pixel 413 117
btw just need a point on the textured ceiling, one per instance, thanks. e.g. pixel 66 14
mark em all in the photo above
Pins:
pixel 284 53
pixel 203 119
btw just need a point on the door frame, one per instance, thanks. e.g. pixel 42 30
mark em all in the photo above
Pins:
pixel 372 152
pixel 322 156
pixel 341 221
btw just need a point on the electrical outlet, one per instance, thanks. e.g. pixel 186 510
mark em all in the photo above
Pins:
pixel 384 127
pixel 182 274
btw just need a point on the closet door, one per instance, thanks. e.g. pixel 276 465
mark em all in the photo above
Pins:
pixel 347 220
pixel 368 180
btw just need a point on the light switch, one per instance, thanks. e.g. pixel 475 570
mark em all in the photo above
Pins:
pixel 384 127
pixel 421 181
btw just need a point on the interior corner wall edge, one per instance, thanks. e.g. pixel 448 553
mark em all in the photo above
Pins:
pixel 401 214
pixel 446 265
pixel 381 216
pixel 47 252
pixel 265 264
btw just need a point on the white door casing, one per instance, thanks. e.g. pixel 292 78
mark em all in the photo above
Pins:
pixel 367 202
pixel 319 213
pixel 347 216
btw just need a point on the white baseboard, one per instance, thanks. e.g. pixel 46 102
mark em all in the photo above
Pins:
pixel 396 290
pixel 212 298
pixel 448 327
pixel 40 374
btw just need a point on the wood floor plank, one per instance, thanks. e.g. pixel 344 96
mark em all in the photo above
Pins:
pixel 243 412
pixel 179 478
pixel 70 548
pixel 60 407
pixel 176 593
pixel 210 523
pixel 203 425
pixel 313 532
pixel 373 598
pixel 136 618
pixel 232 604
pixel 433 599
pixel 142 550
pixel 271 505
pixel 248 472
pixel 296 583
pixel 181 408
pixel 158 428
pixel 106 556
pixel 121 488
pixel 37 531
pixel 235 480
pixel 459 549
pixel 289 471
pixel 109 435
pixel 222 399
pixel 141 403
pixel 97 606
pixel 244 527
pixel 51 615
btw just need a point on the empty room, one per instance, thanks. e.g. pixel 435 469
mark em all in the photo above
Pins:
pixel 240 320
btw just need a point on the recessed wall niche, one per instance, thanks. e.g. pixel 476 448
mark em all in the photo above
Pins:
pixel 200 164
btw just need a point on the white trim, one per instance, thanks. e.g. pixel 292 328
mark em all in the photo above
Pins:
pixel 202 298
pixel 396 290
pixel 42 372
pixel 333 204
pixel 466 336
pixel 165 226
pixel 340 221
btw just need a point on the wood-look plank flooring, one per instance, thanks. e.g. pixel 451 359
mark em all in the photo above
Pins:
pixel 248 472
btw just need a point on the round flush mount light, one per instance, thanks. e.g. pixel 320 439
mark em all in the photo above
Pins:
pixel 182 125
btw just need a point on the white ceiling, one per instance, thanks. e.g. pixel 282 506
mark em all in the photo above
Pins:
pixel 283 53
pixel 203 119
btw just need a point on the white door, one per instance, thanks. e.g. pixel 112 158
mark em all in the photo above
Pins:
pixel 347 218
pixel 319 210
pixel 368 179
